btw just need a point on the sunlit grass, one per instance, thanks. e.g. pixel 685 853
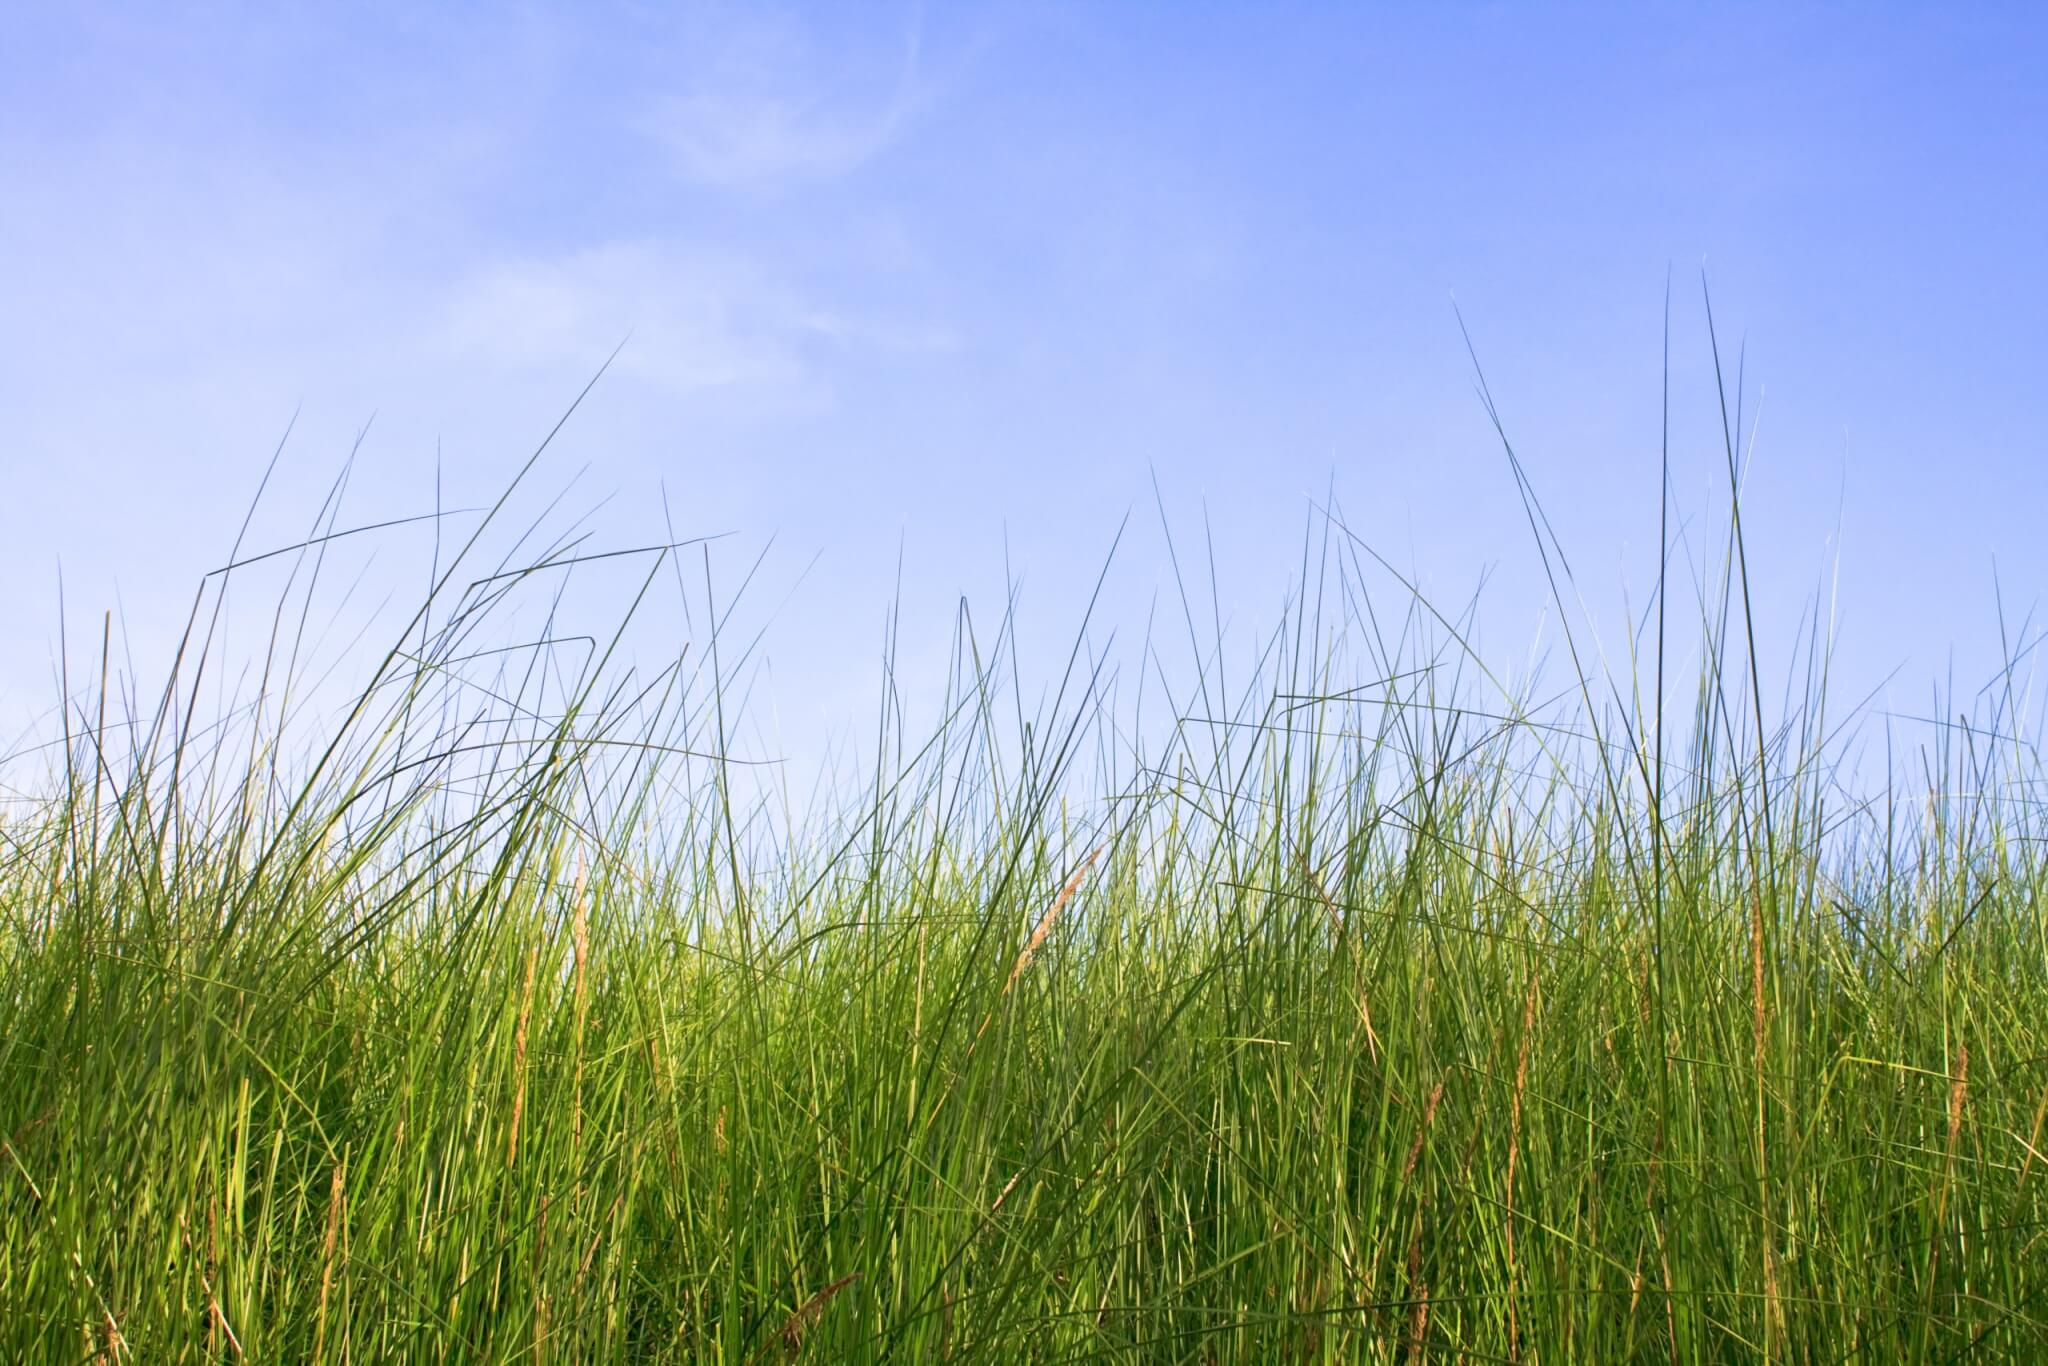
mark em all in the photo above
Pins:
pixel 1371 1011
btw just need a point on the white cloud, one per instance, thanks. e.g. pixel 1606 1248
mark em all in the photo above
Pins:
pixel 766 108
pixel 900 337
pixel 692 320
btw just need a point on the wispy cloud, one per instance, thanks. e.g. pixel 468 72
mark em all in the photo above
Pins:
pixel 694 319
pixel 767 107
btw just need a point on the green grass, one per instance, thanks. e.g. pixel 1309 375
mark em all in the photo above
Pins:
pixel 1370 1010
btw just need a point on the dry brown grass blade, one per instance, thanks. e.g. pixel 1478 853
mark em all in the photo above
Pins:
pixel 1429 1105
pixel 1052 914
pixel 1958 1094
pixel 1038 935
pixel 335 1195
pixel 1336 914
pixel 2034 1141
pixel 1436 1096
pixel 797 1324
pixel 1004 1194
pixel 1418 1312
pixel 519 1056
pixel 579 930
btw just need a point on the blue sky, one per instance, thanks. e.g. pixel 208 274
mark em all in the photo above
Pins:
pixel 956 280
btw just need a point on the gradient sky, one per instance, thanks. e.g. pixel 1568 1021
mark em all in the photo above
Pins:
pixel 951 278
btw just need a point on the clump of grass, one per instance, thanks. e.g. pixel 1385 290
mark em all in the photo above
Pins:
pixel 1376 1012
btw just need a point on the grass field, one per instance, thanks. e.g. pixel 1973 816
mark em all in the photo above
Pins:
pixel 1356 1005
